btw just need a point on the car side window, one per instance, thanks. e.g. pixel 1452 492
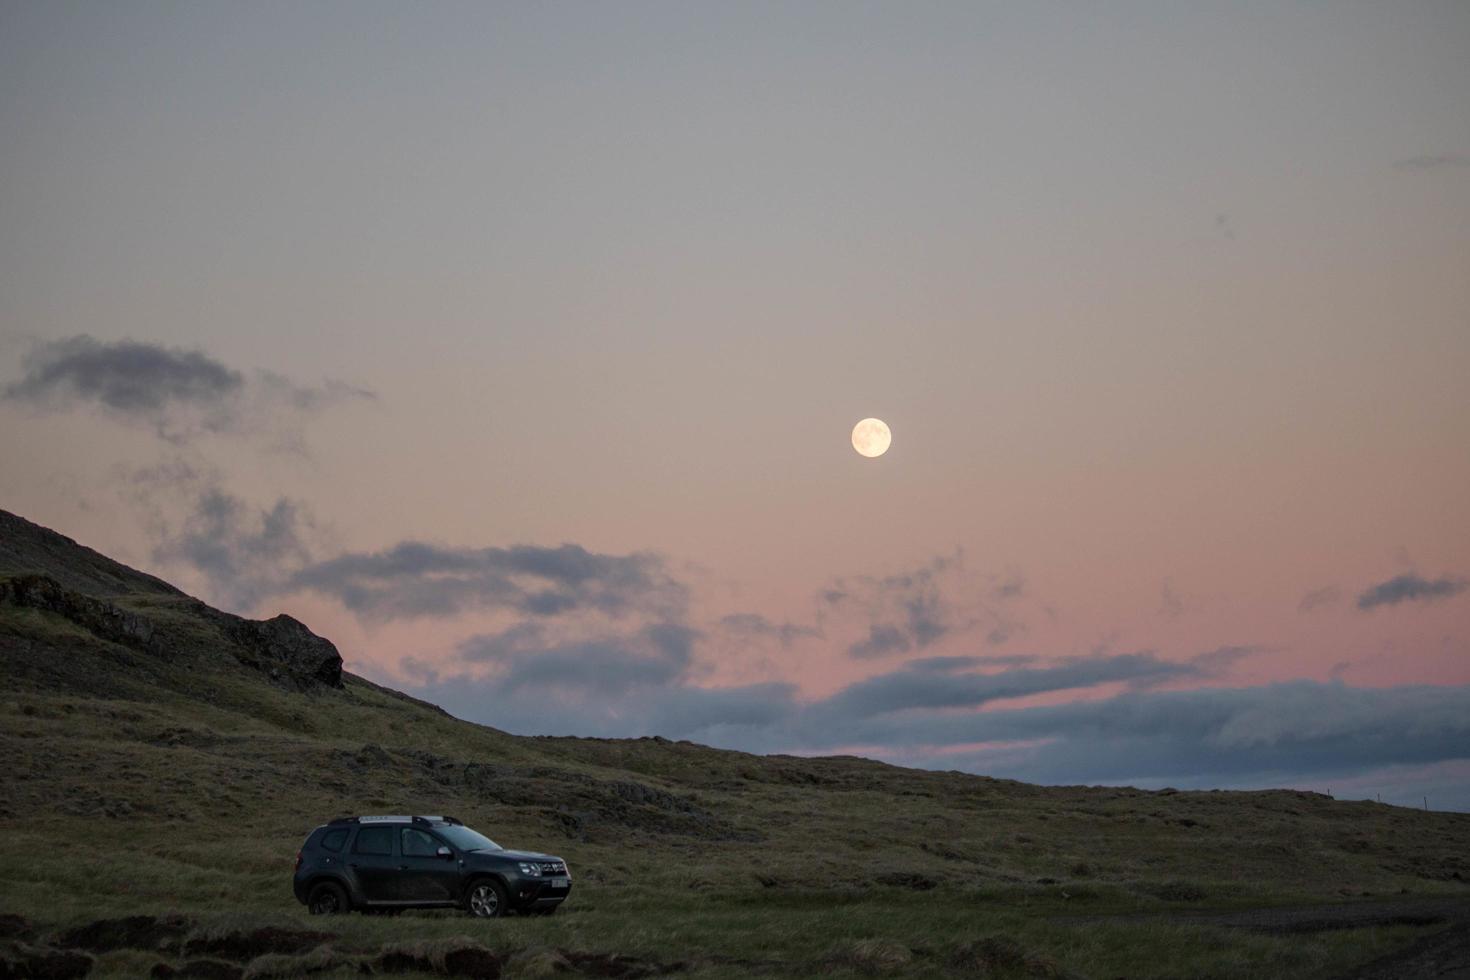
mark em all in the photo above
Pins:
pixel 333 840
pixel 416 843
pixel 374 840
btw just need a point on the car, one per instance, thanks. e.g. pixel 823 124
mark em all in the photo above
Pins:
pixel 391 863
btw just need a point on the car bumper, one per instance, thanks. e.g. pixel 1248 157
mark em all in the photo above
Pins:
pixel 528 893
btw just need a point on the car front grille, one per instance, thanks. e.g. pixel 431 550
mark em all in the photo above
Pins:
pixel 553 868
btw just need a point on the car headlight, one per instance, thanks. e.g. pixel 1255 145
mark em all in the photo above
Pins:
pixel 530 868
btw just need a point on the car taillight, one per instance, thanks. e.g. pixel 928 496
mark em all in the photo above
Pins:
pixel 298 860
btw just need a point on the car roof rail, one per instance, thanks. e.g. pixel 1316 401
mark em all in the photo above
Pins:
pixel 397 818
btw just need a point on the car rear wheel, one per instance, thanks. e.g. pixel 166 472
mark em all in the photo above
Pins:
pixel 327 898
pixel 485 899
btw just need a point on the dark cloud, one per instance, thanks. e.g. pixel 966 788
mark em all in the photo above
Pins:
pixel 907 611
pixel 883 639
pixel 178 393
pixel 243 552
pixel 925 714
pixel 1000 633
pixel 607 667
pixel 1221 659
pixel 944 664
pixel 1270 734
pixel 129 378
pixel 1410 588
pixel 1435 161
pixel 417 579
pixel 1316 599
pixel 907 689
pixel 756 626
pixel 596 677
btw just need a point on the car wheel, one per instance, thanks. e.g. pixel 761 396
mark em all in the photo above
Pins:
pixel 485 899
pixel 327 898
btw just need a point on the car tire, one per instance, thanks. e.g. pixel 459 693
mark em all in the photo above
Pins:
pixel 328 898
pixel 485 899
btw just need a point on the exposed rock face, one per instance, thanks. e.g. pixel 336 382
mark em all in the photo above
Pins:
pixel 282 648
pixel 288 651
pixel 101 618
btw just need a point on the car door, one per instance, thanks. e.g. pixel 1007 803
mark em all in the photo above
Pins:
pixel 374 865
pixel 426 876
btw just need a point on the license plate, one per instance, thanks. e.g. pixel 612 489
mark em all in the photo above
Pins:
pixel 559 882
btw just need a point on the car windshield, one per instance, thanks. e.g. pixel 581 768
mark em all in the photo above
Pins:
pixel 468 840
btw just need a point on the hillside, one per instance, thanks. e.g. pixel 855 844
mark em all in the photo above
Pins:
pixel 163 760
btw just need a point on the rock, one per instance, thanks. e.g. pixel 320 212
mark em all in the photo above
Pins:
pixel 14 926
pixel 129 932
pixel 43 964
pixel 282 648
pixel 461 959
pixel 907 879
pixel 198 970
pixel 288 651
pixel 101 618
pixel 244 945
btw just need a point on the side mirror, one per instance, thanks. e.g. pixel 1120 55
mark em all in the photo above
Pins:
pixel 444 852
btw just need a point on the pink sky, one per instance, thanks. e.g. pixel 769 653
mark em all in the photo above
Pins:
pixel 1167 309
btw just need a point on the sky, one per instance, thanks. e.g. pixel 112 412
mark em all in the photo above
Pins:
pixel 516 347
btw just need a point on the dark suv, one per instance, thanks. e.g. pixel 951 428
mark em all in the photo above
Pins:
pixel 393 863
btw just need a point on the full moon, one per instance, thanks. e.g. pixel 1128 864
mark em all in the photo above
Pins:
pixel 871 437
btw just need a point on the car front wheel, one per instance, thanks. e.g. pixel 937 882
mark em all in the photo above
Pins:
pixel 486 900
pixel 327 899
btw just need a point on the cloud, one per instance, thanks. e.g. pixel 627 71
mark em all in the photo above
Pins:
pixel 883 639
pixel 1410 588
pixel 243 552
pixel 908 688
pixel 130 379
pixel 756 626
pixel 1435 161
pixel 417 579
pixel 1171 606
pixel 906 611
pixel 1013 587
pixel 1295 730
pixel 176 392
pixel 607 667
pixel 1317 598
pixel 942 712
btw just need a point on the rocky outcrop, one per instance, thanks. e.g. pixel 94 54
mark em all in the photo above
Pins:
pixel 282 648
pixel 102 619
pixel 287 651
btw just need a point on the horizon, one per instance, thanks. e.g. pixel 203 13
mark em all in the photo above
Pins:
pixel 518 352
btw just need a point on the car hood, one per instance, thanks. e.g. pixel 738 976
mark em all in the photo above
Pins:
pixel 518 855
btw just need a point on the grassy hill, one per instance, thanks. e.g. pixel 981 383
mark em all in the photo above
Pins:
pixel 163 761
